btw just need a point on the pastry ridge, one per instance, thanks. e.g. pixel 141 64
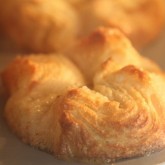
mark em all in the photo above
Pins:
pixel 106 47
pixel 39 26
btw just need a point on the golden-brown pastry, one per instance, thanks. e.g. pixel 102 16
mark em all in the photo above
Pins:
pixel 53 25
pixel 37 70
pixel 34 86
pixel 106 45
pixel 120 116
pixel 39 25
pixel 140 20
pixel 125 119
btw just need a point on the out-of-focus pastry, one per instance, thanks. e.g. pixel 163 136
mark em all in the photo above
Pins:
pixel 37 70
pixel 121 118
pixel 121 115
pixel 140 20
pixel 39 25
pixel 53 25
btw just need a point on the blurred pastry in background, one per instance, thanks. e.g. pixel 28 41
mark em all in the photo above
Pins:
pixel 39 25
pixel 53 25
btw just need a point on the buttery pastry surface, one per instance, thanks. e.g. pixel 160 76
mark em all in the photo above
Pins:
pixel 121 114
pixel 53 26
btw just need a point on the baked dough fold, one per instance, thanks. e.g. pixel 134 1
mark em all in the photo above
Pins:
pixel 140 20
pixel 107 48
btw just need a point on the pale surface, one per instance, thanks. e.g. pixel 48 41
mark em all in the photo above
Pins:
pixel 14 152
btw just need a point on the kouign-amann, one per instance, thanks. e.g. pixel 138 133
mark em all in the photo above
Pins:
pixel 121 114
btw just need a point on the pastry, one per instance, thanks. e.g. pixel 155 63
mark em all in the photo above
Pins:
pixel 53 26
pixel 120 115
pixel 106 45
pixel 53 75
pixel 140 20
pixel 39 25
